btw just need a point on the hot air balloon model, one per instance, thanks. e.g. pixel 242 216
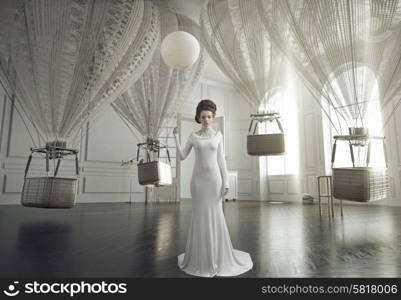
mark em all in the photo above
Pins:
pixel 153 171
pixel 334 46
pixel 234 37
pixel 360 182
pixel 64 62
pixel 265 144
pixel 154 100
pixel 50 191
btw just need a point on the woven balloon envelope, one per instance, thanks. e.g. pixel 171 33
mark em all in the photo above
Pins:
pixel 156 97
pixel 237 41
pixel 63 62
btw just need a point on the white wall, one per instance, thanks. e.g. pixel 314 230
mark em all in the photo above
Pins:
pixel 312 147
pixel 102 177
pixel 393 144
pixel 310 141
pixel 108 141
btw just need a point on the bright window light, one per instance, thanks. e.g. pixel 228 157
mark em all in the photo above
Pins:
pixel 372 120
pixel 284 102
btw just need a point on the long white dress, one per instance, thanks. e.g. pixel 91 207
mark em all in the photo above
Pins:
pixel 209 251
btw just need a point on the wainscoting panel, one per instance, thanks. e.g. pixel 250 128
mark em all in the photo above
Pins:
pixel 276 186
pixel 293 186
pixel 3 107
pixel 310 141
pixel 13 183
pixel 311 181
pixel 240 160
pixel 19 141
pixel 245 187
pixel 398 139
pixel 111 184
pixel 109 139
pixel 217 95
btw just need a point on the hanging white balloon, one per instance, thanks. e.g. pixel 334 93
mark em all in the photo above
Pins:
pixel 180 49
pixel 154 100
pixel 234 37
pixel 157 95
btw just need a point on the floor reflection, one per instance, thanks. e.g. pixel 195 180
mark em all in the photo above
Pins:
pixel 43 246
pixel 138 240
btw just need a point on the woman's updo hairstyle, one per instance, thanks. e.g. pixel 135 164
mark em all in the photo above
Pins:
pixel 205 104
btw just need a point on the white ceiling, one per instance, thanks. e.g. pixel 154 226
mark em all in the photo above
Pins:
pixel 192 9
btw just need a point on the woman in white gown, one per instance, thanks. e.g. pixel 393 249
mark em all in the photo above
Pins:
pixel 208 250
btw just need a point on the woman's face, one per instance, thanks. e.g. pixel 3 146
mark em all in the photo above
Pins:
pixel 206 118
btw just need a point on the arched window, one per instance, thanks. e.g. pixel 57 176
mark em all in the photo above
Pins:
pixel 361 109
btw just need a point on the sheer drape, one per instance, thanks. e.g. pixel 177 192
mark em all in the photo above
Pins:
pixel 161 91
pixel 64 60
pixel 332 43
pixel 236 40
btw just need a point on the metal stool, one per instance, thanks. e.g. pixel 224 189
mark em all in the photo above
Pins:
pixel 329 195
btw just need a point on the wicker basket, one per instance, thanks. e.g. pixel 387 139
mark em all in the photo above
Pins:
pixel 154 173
pixel 362 184
pixel 49 192
pixel 266 144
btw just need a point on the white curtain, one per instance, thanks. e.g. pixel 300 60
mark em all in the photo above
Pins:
pixel 333 44
pixel 66 60
pixel 161 91
pixel 235 38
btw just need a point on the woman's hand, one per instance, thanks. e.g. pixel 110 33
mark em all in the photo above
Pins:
pixel 175 131
pixel 225 191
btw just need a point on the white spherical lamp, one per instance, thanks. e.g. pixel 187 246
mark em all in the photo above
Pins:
pixel 180 49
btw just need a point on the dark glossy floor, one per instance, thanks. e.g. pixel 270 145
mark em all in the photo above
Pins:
pixel 138 240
